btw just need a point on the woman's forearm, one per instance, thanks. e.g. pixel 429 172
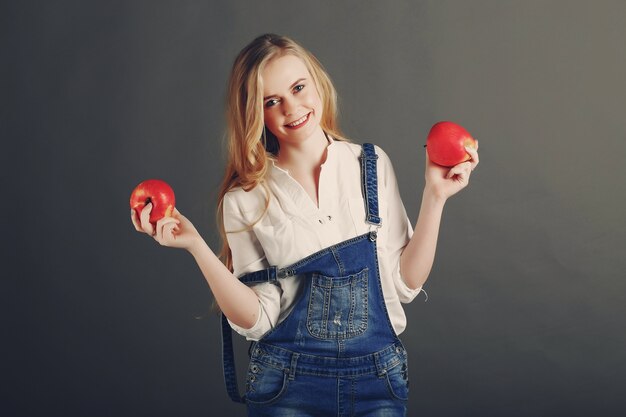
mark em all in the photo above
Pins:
pixel 418 256
pixel 236 300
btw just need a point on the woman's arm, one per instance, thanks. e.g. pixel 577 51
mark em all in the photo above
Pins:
pixel 418 256
pixel 237 301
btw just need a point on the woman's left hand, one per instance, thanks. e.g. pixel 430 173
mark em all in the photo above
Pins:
pixel 444 182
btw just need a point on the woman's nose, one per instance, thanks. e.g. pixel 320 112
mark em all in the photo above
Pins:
pixel 290 106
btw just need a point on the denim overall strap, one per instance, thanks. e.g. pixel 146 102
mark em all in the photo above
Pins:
pixel 264 275
pixel 370 184
pixel 228 361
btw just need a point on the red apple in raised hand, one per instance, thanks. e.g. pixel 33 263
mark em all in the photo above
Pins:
pixel 446 144
pixel 157 192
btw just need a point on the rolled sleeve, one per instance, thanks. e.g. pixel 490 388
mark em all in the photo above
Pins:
pixel 269 310
pixel 405 293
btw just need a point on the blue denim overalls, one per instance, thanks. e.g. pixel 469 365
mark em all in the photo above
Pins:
pixel 336 354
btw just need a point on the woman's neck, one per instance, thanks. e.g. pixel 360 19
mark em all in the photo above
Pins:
pixel 305 156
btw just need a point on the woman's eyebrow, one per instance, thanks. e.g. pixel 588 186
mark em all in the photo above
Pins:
pixel 292 86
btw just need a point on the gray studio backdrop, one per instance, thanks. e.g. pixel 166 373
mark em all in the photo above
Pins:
pixel 525 315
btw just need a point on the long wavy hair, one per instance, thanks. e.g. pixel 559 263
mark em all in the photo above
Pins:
pixel 250 146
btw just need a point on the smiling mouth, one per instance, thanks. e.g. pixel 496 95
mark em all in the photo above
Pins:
pixel 300 121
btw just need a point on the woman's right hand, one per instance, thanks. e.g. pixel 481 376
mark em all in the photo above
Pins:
pixel 175 231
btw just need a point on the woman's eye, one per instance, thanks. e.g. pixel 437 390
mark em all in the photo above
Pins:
pixel 298 87
pixel 270 103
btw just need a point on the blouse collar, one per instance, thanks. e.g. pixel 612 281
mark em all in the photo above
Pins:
pixel 330 152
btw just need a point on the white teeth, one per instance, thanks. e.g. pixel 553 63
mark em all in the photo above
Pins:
pixel 299 121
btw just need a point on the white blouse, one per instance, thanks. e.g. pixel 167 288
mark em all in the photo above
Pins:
pixel 294 227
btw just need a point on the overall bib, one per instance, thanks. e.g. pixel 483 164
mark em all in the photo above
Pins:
pixel 336 354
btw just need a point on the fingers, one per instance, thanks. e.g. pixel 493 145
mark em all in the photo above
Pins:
pixel 166 229
pixel 133 218
pixel 146 226
pixel 140 223
pixel 462 170
pixel 177 214
pixel 474 154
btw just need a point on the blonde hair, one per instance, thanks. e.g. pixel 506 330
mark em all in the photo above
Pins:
pixel 250 147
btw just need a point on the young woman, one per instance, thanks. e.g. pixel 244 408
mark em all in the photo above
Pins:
pixel 318 250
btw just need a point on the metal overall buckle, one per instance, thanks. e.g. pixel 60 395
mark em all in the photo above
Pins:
pixel 373 232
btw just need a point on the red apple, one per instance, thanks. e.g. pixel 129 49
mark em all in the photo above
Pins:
pixel 157 192
pixel 446 144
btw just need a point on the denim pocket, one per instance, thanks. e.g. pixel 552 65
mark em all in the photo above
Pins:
pixel 338 306
pixel 264 384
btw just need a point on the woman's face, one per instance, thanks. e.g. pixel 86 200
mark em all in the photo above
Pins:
pixel 292 106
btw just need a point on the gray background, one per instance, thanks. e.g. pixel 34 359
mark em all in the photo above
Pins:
pixel 526 298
